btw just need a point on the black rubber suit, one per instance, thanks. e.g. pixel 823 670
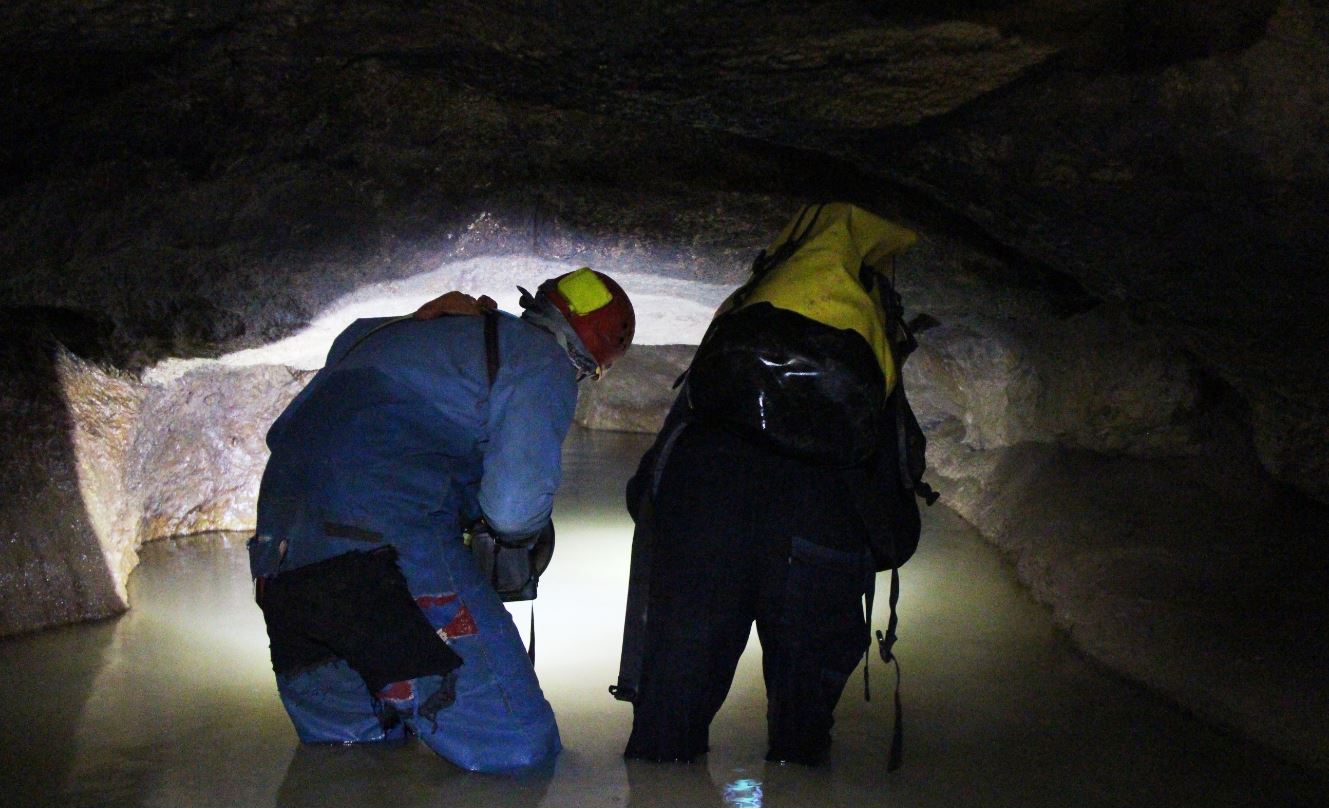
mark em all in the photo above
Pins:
pixel 744 534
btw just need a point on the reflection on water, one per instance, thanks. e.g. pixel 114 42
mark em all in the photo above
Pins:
pixel 743 793
pixel 174 702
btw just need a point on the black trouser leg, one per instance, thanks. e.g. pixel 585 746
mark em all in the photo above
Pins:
pixel 812 637
pixel 702 605
pixel 743 534
pixel 689 666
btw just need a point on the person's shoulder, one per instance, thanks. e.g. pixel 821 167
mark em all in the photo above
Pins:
pixel 532 341
pixel 535 350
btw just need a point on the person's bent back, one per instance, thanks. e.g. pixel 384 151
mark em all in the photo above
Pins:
pixel 381 623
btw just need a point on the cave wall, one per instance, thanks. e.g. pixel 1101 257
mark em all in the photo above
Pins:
pixel 1179 166
pixel 209 176
pixel 65 553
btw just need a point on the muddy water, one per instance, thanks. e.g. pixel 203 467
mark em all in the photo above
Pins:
pixel 174 703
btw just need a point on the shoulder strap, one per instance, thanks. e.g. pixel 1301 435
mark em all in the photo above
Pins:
pixel 764 263
pixel 886 648
pixel 380 327
pixel 900 334
pixel 491 345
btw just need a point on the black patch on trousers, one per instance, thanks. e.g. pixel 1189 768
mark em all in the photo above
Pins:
pixel 356 607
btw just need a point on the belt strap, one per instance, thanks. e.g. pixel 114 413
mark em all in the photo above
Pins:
pixel 885 648
pixel 491 345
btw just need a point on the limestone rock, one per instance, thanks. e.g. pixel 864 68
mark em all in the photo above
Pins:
pixel 211 178
pixel 1156 568
pixel 1095 381
pixel 636 393
pixel 1174 166
pixel 105 409
pixel 198 454
pixel 64 548
pixel 1290 437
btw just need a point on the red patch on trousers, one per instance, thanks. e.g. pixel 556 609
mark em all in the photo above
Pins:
pixel 462 624
pixel 398 691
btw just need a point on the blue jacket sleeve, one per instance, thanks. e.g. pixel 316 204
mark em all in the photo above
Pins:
pixel 531 408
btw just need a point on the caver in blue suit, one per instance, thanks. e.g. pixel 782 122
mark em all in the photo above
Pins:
pixel 394 446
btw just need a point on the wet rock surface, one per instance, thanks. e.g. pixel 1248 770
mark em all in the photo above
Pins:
pixel 1079 382
pixel 64 553
pixel 1121 207
pixel 1191 573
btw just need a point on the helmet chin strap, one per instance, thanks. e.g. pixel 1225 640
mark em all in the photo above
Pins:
pixel 538 310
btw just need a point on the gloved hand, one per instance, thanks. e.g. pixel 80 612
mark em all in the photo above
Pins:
pixel 545 534
pixel 512 564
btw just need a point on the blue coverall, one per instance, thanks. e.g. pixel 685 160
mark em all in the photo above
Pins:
pixel 401 438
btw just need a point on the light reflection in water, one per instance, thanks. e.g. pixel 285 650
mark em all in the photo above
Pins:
pixel 743 793
pixel 174 703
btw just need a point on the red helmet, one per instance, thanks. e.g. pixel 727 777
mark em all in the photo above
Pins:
pixel 598 310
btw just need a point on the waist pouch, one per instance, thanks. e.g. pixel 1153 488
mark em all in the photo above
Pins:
pixel 356 607
pixel 512 570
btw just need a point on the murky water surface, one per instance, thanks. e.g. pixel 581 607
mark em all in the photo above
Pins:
pixel 174 703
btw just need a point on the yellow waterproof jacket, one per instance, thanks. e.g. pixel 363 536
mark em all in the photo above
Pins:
pixel 821 278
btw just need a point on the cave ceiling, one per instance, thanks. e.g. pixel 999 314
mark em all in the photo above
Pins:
pixel 1172 156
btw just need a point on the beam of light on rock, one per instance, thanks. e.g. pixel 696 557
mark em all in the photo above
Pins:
pixel 668 310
